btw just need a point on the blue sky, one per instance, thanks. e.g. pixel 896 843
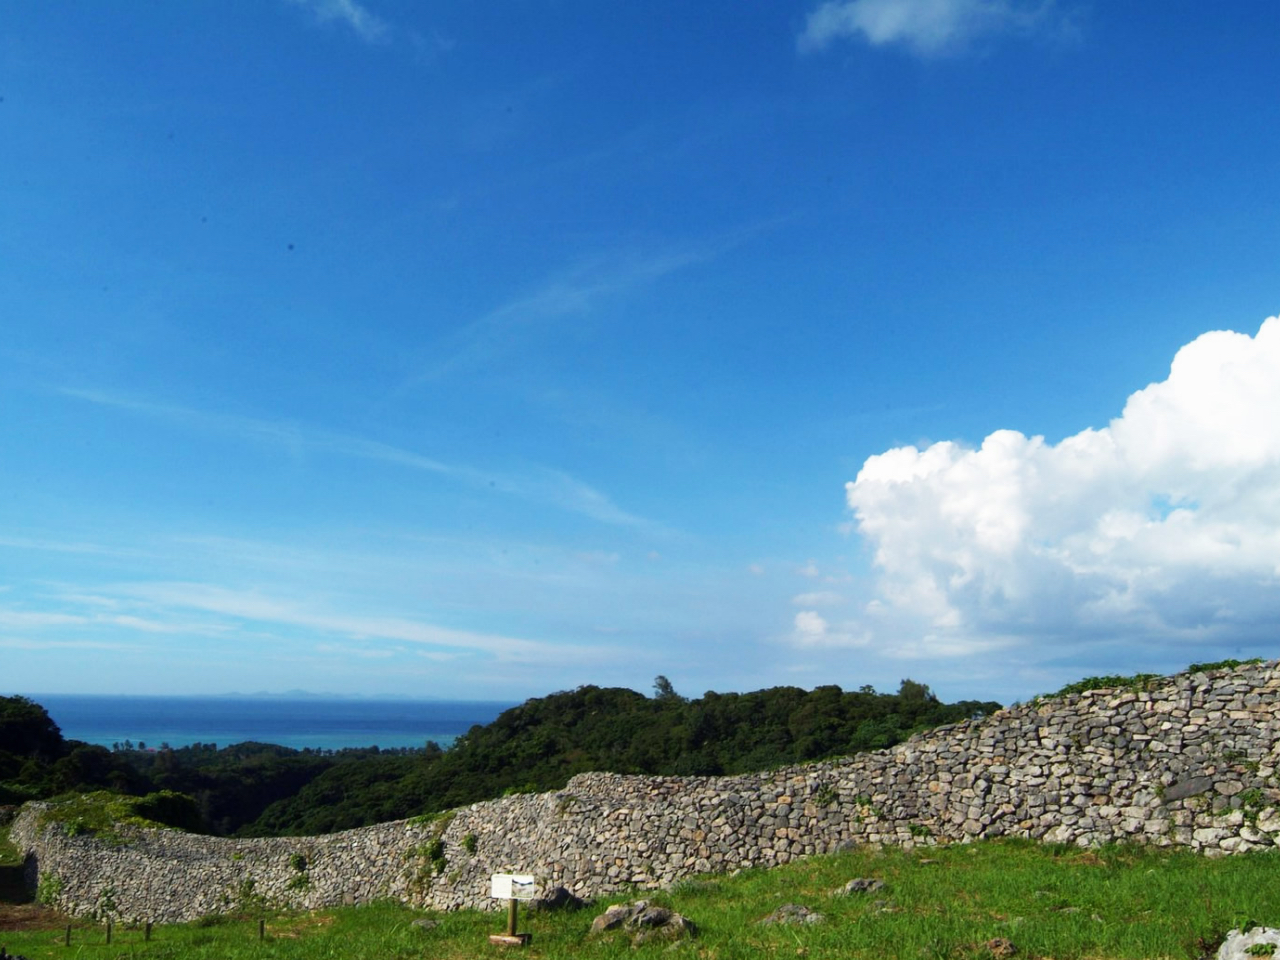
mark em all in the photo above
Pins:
pixel 478 351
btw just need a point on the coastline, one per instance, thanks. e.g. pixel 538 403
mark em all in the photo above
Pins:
pixel 312 723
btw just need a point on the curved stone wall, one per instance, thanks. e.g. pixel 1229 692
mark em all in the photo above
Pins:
pixel 1190 762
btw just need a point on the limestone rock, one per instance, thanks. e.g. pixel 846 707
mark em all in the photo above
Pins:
pixel 557 898
pixel 613 918
pixel 645 922
pixel 1237 944
pixel 794 913
pixel 860 885
pixel 1191 787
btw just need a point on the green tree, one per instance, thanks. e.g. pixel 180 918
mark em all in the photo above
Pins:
pixel 912 692
pixel 663 690
pixel 27 730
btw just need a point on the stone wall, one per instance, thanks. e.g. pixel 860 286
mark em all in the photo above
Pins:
pixel 1190 762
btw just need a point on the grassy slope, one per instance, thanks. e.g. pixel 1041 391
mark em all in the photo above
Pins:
pixel 937 903
pixel 9 855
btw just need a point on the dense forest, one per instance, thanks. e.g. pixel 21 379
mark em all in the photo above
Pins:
pixel 256 789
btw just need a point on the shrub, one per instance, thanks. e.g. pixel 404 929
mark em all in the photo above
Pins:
pixel 48 889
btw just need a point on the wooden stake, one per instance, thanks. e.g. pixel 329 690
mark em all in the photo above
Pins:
pixel 511 938
pixel 262 929
pixel 146 935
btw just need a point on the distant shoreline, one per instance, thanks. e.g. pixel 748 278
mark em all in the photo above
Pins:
pixel 312 722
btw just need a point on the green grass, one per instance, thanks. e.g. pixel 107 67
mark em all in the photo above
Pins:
pixel 1143 681
pixel 102 812
pixel 9 855
pixel 1051 902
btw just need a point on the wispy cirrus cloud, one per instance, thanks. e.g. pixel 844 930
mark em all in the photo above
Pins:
pixel 367 26
pixel 28 619
pixel 574 294
pixel 258 607
pixel 24 643
pixel 559 488
pixel 928 27
pixel 67 546
pixel 536 484
pixel 83 610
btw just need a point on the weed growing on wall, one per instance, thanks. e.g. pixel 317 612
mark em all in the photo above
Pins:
pixel 105 908
pixel 49 889
pixel 826 795
pixel 246 900
pixel 1221 665
pixel 300 880
pixel 1135 683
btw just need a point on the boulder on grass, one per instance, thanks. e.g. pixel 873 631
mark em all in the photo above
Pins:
pixel 1251 945
pixel 859 885
pixel 794 913
pixel 557 898
pixel 645 922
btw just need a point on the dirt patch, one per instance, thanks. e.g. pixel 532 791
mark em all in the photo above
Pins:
pixel 30 916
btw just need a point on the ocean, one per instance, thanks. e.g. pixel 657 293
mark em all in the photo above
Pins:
pixel 299 723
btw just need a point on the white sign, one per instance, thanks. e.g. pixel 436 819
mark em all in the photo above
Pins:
pixel 512 886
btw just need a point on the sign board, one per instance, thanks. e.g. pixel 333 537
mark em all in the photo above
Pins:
pixel 512 886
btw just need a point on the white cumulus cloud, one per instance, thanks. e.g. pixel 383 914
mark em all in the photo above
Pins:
pixel 927 27
pixel 812 630
pixel 1162 528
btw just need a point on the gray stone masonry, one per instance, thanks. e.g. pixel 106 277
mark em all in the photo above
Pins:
pixel 1191 762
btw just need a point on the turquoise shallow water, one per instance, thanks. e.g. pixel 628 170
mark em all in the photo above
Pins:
pixel 301 723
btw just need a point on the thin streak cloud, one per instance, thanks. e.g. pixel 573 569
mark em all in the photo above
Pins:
pixel 22 643
pixel 259 607
pixel 57 546
pixel 575 294
pixel 543 485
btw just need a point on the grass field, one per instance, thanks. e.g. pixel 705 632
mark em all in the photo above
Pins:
pixel 946 902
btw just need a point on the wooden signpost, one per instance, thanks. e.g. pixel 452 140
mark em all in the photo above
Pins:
pixel 512 887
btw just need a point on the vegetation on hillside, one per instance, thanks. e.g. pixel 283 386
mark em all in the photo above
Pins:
pixel 540 744
pixel 256 789
pixel 259 789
